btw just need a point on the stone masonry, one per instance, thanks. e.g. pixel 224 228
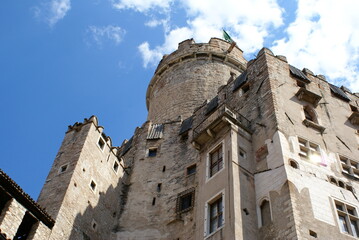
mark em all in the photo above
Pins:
pixel 231 149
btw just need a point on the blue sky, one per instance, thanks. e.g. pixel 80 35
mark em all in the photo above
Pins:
pixel 65 60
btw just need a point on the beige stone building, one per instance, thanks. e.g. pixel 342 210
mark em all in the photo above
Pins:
pixel 230 150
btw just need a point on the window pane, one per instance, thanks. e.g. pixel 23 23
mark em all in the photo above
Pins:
pixel 339 207
pixel 354 227
pixel 343 224
pixel 213 226
pixel 220 220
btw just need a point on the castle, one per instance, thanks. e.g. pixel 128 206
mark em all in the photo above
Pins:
pixel 231 149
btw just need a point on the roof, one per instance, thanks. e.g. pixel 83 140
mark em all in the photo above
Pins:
pixel 299 74
pixel 339 93
pixel 186 125
pixel 240 81
pixel 212 105
pixel 127 147
pixel 155 132
pixel 12 188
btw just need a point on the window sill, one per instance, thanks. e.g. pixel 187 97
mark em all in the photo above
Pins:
pixel 313 125
pixel 213 233
pixel 350 176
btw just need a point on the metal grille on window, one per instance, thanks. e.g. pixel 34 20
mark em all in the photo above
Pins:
pixel 216 215
pixel 216 161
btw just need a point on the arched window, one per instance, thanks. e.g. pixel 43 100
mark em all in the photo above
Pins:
pixel 333 181
pixel 310 114
pixel 265 212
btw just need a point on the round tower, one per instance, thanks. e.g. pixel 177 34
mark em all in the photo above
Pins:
pixel 187 77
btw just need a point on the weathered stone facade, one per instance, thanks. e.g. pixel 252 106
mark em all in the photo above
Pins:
pixel 230 150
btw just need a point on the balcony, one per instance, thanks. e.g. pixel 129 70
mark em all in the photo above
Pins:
pixel 207 127
pixel 308 96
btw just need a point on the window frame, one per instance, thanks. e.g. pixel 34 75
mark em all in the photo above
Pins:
pixel 349 169
pixel 207 218
pixel 307 149
pixel 99 145
pixel 116 166
pixel 347 216
pixel 152 149
pixel 182 195
pixel 209 176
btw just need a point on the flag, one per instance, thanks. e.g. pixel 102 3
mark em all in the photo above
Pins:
pixel 227 37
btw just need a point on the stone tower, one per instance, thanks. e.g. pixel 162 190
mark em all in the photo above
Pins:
pixel 85 169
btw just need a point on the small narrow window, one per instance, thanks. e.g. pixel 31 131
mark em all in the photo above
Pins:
pixel 164 169
pixel 159 187
pixel 93 185
pixel 313 234
pixel 153 201
pixel 242 154
pixel 245 88
pixel 63 168
pixel 115 166
pixel 293 164
pixel 94 225
pixel 101 143
pixel 333 181
pixel 191 170
pixel 152 152
pixel 265 213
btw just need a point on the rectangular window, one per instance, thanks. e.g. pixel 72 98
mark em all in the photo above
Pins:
pixel 347 218
pixel 152 152
pixel 215 161
pixel 101 143
pixel 115 166
pixel 349 166
pixel 191 169
pixel 308 149
pixel 215 215
pixel 93 185
pixel 185 201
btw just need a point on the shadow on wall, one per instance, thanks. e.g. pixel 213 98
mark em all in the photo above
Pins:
pixel 98 221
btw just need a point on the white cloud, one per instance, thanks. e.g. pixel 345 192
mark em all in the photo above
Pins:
pixel 325 38
pixel 109 32
pixel 152 57
pixel 247 21
pixel 53 11
pixel 142 5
